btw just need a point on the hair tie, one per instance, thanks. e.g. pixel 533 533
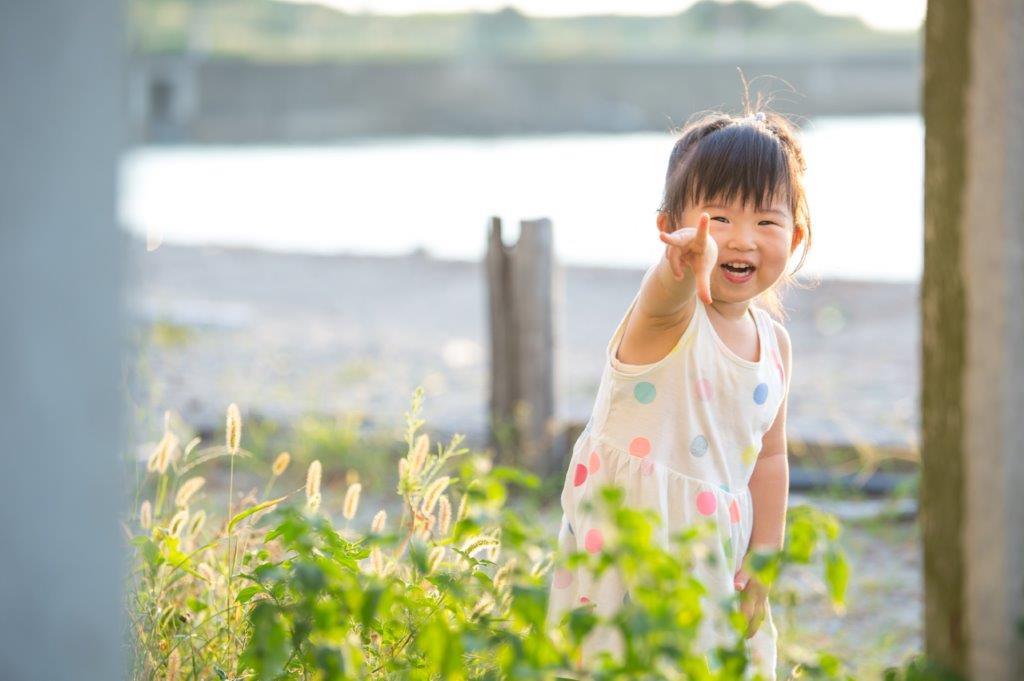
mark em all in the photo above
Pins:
pixel 758 117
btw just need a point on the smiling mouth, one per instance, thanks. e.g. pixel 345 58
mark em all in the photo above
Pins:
pixel 746 269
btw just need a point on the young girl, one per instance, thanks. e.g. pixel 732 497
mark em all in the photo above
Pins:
pixel 690 415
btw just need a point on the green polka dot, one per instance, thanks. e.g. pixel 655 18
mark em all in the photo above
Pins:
pixel 728 548
pixel 644 392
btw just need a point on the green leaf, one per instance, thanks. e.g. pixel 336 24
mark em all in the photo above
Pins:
pixel 246 594
pixel 837 573
pixel 253 509
pixel 268 648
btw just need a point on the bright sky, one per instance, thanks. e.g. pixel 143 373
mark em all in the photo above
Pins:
pixel 884 14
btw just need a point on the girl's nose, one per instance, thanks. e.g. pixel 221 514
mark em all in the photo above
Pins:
pixel 741 238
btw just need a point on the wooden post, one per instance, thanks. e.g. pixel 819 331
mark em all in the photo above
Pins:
pixel 521 285
pixel 972 398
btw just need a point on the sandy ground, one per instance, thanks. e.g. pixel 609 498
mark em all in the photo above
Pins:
pixel 283 334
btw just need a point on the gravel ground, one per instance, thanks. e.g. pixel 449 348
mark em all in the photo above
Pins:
pixel 283 334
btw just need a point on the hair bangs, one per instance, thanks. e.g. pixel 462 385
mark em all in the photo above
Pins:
pixel 736 162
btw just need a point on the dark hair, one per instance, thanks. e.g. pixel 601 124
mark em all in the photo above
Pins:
pixel 755 158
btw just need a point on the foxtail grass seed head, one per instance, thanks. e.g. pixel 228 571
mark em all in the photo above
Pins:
pixel 377 560
pixel 433 492
pixel 474 544
pixel 434 558
pixel 379 521
pixel 170 454
pixel 161 456
pixel 501 577
pixel 178 521
pixel 444 515
pixel 313 479
pixel 146 515
pixel 313 502
pixel 351 501
pixel 196 526
pixel 192 444
pixel 233 429
pixel 154 456
pixel 463 508
pixel 187 490
pixel 281 463
pixel 422 526
pixel 173 665
pixel 206 572
pixel 419 454
pixel 483 606
pixel 494 550
pixel 505 604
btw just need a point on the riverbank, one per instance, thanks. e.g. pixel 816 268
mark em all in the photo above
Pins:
pixel 288 334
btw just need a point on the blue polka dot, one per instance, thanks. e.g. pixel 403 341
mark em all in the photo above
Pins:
pixel 644 392
pixel 761 393
pixel 725 487
pixel 626 599
pixel 699 446
pixel 570 528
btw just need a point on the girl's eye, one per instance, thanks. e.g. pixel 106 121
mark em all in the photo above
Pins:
pixel 768 222
pixel 720 217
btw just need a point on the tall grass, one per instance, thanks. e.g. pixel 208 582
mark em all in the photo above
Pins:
pixel 454 587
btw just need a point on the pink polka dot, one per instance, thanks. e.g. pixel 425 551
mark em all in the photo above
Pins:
pixel 640 446
pixel 706 502
pixel 563 578
pixel 594 540
pixel 734 511
pixel 646 466
pixel 595 462
pixel 584 599
pixel 581 475
pixel 704 389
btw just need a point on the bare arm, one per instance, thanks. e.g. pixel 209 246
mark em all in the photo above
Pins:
pixel 769 491
pixel 667 301
pixel 769 482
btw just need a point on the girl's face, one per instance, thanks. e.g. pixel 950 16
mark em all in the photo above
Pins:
pixel 762 238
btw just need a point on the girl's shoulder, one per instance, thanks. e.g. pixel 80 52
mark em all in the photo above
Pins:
pixel 681 335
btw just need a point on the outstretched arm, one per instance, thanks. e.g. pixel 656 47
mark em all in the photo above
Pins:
pixel 666 301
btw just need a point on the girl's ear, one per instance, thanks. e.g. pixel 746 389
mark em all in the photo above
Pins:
pixel 798 237
pixel 663 224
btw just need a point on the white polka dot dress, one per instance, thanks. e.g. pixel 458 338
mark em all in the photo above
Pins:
pixel 681 437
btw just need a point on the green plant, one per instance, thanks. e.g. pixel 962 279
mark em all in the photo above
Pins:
pixel 457 587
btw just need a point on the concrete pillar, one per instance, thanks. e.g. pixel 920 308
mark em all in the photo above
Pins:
pixel 61 571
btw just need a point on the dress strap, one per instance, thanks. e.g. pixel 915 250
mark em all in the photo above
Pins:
pixel 768 333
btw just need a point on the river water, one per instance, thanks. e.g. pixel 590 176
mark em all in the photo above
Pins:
pixel 390 196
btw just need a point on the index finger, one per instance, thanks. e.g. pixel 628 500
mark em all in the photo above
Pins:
pixel 703 227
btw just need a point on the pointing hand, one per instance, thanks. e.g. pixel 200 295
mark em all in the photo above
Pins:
pixel 696 248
